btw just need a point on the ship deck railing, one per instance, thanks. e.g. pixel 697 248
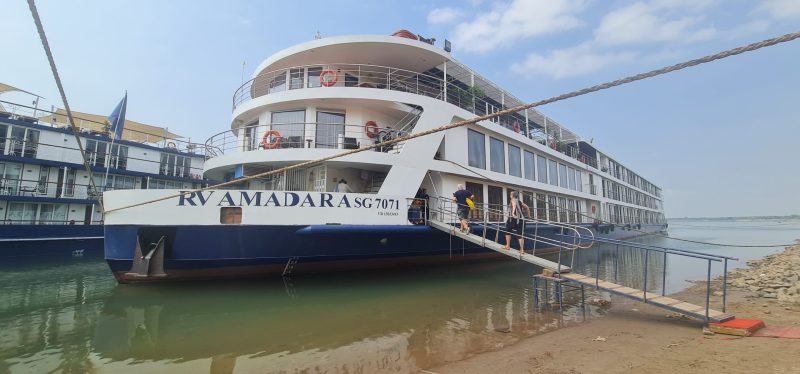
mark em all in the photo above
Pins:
pixel 480 99
pixel 568 240
pixel 299 135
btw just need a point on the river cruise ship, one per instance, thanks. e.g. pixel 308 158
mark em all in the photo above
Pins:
pixel 369 209
pixel 47 204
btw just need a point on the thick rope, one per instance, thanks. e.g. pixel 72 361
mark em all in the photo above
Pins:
pixel 599 87
pixel 53 68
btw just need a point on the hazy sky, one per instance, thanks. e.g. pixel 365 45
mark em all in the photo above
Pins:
pixel 721 139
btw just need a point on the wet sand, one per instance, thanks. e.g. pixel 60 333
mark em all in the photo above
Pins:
pixel 644 339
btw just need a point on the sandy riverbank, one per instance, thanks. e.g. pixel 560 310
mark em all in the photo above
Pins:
pixel 643 339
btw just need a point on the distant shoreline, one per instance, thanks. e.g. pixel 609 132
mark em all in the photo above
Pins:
pixel 792 217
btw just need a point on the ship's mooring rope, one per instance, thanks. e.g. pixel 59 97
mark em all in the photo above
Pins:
pixel 72 126
pixel 599 87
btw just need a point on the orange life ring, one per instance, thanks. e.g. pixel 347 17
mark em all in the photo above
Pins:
pixel 276 140
pixel 171 145
pixel 328 78
pixel 371 128
pixel 515 125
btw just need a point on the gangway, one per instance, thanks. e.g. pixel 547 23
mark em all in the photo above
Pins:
pixel 570 238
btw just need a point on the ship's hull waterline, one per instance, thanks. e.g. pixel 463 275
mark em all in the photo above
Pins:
pixel 251 251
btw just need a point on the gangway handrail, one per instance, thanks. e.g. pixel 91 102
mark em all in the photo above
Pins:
pixel 680 252
pixel 536 221
pixel 497 226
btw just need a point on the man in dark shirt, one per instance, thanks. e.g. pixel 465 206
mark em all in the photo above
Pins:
pixel 460 197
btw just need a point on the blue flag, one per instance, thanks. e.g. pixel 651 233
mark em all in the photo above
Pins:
pixel 117 118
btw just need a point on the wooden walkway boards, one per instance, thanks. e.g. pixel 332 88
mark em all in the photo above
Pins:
pixel 490 244
pixel 675 305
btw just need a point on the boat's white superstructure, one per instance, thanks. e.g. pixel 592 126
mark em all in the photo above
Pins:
pixel 331 95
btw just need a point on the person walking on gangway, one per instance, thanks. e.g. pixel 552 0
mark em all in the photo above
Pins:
pixel 460 197
pixel 515 221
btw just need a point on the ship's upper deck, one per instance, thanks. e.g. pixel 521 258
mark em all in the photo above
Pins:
pixel 393 63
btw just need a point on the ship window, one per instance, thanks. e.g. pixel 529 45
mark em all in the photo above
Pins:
pixel 541 207
pixel 291 125
pixel 118 158
pixel 573 217
pixel 295 79
pixel 495 205
pixel 579 181
pixel 562 210
pixel 542 165
pixel 552 209
pixel 313 77
pixel 562 175
pixel 230 215
pixel 278 82
pixel 350 80
pixel 528 162
pixel 3 133
pixel 571 178
pixel 497 157
pixel 552 167
pixel 476 149
pixel 330 130
pixel 514 161
pixel 477 198
pixel 96 152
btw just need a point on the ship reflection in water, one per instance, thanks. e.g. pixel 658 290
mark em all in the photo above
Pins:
pixel 73 317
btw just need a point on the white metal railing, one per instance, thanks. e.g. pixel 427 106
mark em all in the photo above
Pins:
pixel 301 135
pixel 454 91
pixel 445 210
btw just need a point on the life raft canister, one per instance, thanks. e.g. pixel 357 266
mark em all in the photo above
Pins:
pixel 371 128
pixel 275 137
pixel 328 78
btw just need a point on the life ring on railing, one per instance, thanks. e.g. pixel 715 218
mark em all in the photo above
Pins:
pixel 276 140
pixel 172 145
pixel 515 126
pixel 371 128
pixel 328 78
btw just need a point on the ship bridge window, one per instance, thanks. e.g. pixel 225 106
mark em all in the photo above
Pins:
pixel 291 126
pixel 497 157
pixel 278 82
pixel 476 149
pixel 313 77
pixel 330 129
pixel 295 79
pixel 514 161
pixel 528 165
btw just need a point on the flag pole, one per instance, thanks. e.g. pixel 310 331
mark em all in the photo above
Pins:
pixel 114 139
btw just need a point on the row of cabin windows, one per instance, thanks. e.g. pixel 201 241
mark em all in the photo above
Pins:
pixel 626 215
pixel 24 142
pixel 619 192
pixel 622 173
pixel 544 207
pixel 520 162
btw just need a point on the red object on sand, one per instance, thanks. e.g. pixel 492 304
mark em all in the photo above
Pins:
pixel 737 326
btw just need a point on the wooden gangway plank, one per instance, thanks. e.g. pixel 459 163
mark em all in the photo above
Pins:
pixel 497 247
pixel 664 302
